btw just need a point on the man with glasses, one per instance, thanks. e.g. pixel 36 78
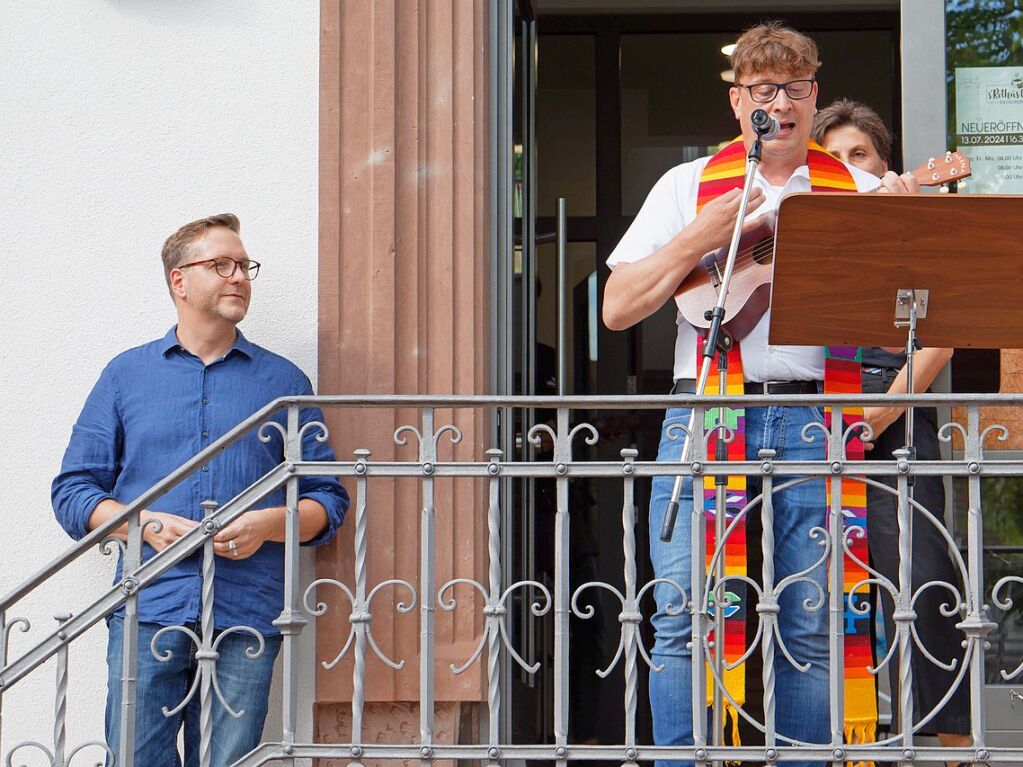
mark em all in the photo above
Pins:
pixel 153 408
pixel 690 212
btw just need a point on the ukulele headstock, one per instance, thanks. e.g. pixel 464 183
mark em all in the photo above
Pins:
pixel 952 166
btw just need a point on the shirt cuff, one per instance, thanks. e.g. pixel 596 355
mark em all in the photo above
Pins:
pixel 335 506
pixel 78 526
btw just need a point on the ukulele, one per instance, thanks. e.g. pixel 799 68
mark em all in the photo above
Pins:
pixel 749 293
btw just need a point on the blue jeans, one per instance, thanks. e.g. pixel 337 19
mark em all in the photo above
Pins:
pixel 244 681
pixel 802 698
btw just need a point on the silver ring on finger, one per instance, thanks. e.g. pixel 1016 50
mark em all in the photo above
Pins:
pixel 232 547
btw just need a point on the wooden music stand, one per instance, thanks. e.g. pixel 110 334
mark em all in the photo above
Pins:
pixel 840 260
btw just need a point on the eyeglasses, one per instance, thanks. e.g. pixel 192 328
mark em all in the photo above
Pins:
pixel 226 267
pixel 763 93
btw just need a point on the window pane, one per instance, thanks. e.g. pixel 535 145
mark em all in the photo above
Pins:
pixel 984 54
pixel 566 135
pixel 674 106
pixel 581 317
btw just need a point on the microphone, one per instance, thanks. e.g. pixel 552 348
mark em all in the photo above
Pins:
pixel 765 126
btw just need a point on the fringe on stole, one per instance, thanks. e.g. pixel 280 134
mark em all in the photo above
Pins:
pixel 735 683
pixel 855 734
pixel 732 718
pixel 858 733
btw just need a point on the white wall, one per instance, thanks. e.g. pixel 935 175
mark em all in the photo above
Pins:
pixel 119 121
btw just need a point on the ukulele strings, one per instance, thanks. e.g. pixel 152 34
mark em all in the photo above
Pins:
pixel 746 255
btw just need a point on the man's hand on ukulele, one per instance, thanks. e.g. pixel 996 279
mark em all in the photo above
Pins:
pixel 712 227
pixel 893 183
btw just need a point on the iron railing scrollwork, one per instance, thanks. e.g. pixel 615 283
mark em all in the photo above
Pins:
pixel 553 608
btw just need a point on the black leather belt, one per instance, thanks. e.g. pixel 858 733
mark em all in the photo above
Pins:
pixel 878 379
pixel 882 372
pixel 784 387
pixel 688 386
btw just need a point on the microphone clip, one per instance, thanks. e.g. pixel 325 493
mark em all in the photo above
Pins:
pixel 765 126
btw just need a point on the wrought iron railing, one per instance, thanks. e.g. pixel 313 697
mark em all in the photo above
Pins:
pixel 967 594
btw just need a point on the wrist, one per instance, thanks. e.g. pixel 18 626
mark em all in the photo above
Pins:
pixel 883 418
pixel 690 246
pixel 271 523
pixel 145 515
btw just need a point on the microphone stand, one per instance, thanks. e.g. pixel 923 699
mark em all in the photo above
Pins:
pixel 717 342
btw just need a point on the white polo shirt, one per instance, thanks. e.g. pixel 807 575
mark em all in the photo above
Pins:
pixel 669 208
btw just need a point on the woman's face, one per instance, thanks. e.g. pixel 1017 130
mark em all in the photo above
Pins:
pixel 851 145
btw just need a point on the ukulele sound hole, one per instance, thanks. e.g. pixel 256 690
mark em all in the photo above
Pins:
pixel 759 253
pixel 763 251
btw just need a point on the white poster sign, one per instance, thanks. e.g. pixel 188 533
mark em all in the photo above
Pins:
pixel 989 127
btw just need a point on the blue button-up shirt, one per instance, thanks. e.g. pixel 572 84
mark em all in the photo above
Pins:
pixel 153 408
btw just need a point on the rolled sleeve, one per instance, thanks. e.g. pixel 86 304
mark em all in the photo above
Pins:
pixel 88 471
pixel 327 491
pixel 664 214
pixel 335 501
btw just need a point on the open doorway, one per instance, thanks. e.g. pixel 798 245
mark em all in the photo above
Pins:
pixel 607 99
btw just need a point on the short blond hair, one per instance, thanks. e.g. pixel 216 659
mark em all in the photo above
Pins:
pixel 179 246
pixel 773 47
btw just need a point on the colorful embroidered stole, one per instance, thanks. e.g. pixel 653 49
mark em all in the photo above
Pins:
pixel 724 172
pixel 735 545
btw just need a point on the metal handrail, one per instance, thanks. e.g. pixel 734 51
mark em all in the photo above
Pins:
pixel 468 401
pixel 171 480
pixel 146 573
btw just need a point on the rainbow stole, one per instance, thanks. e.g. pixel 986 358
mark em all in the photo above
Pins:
pixel 724 172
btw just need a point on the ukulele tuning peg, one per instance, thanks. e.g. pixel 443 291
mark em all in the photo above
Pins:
pixel 930 164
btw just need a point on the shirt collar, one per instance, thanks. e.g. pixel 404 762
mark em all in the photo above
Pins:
pixel 170 342
pixel 799 181
pixel 243 345
pixel 802 172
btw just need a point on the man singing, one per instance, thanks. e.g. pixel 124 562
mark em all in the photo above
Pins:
pixel 689 212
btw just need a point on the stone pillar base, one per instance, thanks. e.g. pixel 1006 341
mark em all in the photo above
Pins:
pixel 394 723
